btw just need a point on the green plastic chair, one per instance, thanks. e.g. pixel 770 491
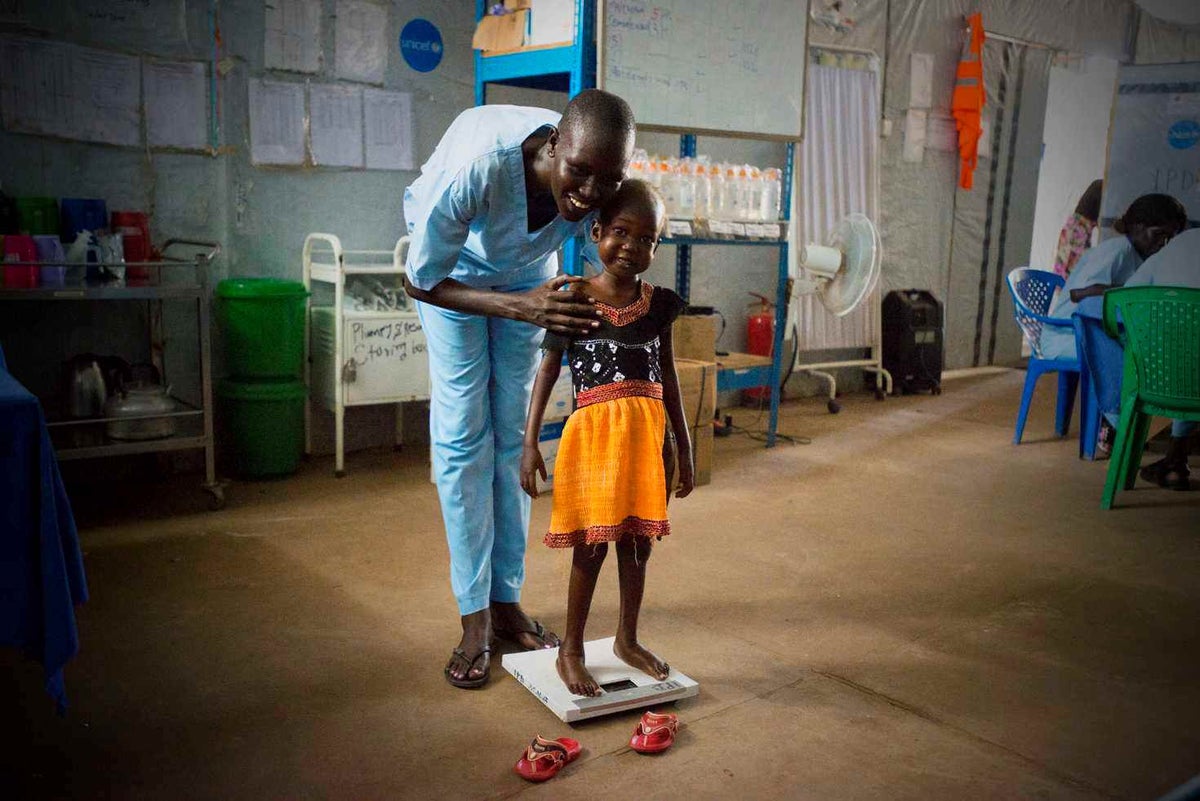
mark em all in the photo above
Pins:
pixel 1159 329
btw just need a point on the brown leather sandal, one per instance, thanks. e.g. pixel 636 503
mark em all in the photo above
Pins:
pixel 467 683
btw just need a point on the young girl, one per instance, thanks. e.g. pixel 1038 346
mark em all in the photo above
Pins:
pixel 610 484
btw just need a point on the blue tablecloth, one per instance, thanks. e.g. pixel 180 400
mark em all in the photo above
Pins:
pixel 41 568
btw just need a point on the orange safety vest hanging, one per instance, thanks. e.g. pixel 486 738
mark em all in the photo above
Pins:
pixel 967 105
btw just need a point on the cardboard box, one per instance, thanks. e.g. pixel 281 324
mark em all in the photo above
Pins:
pixel 694 336
pixel 698 389
pixel 500 33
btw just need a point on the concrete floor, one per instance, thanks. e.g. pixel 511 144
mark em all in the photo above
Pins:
pixel 909 607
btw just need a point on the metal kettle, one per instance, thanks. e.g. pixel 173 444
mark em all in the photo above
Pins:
pixel 86 387
pixel 131 412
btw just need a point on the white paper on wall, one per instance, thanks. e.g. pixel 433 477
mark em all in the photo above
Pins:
pixel 551 22
pixel 336 125
pixel 941 133
pixel 106 106
pixel 914 135
pixel 920 83
pixel 35 86
pixel 388 120
pixel 360 41
pixel 984 149
pixel 293 35
pixel 176 104
pixel 276 122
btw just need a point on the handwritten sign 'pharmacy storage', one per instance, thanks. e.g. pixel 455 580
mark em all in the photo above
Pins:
pixel 384 356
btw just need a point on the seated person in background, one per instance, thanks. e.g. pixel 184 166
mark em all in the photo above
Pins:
pixel 1148 224
pixel 1177 264
pixel 1076 234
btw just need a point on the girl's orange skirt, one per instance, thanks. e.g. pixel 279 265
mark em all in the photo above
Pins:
pixel 609 479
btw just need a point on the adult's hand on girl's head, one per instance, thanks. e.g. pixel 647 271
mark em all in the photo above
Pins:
pixel 569 312
pixel 532 465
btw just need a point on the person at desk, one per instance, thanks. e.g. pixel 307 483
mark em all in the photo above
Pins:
pixel 1177 264
pixel 505 188
pixel 1149 223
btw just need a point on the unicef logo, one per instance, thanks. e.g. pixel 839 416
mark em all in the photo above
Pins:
pixel 421 45
pixel 1183 134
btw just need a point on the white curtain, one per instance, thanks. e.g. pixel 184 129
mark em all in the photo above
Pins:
pixel 837 175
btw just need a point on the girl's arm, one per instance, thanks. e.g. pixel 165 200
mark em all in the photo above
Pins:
pixel 531 458
pixel 673 401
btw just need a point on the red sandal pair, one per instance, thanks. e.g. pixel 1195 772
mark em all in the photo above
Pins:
pixel 543 759
pixel 655 733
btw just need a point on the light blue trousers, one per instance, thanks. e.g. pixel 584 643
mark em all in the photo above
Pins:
pixel 481 371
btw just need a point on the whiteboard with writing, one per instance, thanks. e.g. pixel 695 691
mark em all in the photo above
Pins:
pixel 708 65
pixel 389 358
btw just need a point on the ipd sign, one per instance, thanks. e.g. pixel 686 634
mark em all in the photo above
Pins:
pixel 421 45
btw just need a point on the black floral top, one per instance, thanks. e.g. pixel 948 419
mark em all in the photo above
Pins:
pixel 620 358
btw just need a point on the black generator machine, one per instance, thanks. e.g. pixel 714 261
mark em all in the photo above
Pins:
pixel 912 341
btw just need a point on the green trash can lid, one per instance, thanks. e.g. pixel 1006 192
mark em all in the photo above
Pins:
pixel 261 390
pixel 260 288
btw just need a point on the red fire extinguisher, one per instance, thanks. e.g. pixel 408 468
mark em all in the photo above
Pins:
pixel 760 339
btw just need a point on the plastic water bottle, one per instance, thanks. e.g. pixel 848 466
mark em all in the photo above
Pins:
pixel 716 191
pixel 685 178
pixel 753 193
pixel 772 194
pixel 702 186
pixel 669 187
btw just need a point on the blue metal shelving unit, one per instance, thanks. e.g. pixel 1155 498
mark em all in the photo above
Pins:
pixel 572 69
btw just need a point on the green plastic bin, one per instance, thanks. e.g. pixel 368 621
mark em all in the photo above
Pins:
pixel 262 326
pixel 37 215
pixel 263 422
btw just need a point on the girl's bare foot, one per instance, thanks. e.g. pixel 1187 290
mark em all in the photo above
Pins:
pixel 575 675
pixel 634 655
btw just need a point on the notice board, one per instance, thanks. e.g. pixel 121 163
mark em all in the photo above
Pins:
pixel 1154 141
pixel 708 66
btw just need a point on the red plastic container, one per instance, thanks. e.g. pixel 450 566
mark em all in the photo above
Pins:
pixel 134 228
pixel 20 247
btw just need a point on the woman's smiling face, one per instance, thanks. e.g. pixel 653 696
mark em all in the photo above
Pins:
pixel 587 171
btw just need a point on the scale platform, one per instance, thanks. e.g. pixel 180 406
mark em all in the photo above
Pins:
pixel 622 686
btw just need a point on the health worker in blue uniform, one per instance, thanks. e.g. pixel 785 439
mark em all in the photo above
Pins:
pixel 505 188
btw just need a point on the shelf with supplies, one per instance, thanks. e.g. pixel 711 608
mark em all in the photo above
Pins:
pixel 365 345
pixel 169 423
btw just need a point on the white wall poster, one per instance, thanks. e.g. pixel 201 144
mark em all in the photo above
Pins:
pixel 276 122
pixel 388 117
pixel 336 125
pixel 360 41
pixel 176 104
pixel 293 35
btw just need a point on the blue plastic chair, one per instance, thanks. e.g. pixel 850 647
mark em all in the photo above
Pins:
pixel 1032 291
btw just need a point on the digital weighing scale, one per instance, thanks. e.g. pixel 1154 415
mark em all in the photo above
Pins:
pixel 622 687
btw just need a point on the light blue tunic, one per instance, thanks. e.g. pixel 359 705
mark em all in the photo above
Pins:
pixel 1111 262
pixel 467 213
pixel 468 220
pixel 1177 264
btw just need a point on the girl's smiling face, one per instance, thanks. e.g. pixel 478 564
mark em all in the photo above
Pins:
pixel 628 238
